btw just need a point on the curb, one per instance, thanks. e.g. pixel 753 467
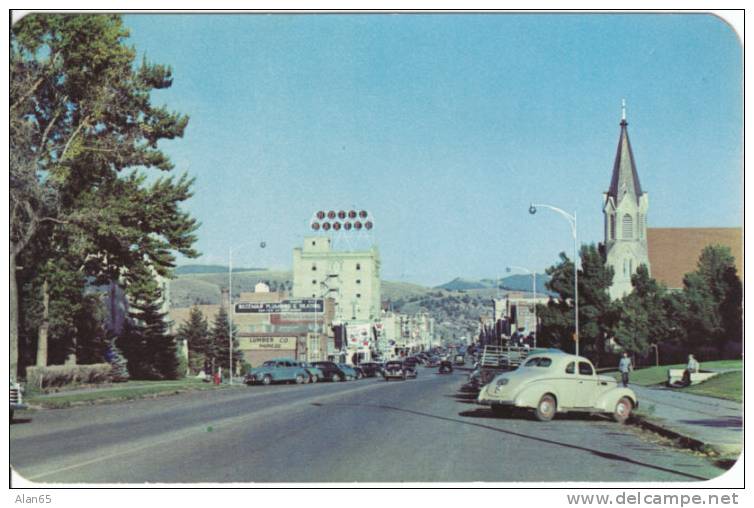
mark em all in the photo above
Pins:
pixel 684 440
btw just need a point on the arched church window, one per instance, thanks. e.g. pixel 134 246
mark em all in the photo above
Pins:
pixel 628 227
pixel 612 227
pixel 625 268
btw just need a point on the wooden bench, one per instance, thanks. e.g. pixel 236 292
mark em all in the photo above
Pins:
pixel 676 376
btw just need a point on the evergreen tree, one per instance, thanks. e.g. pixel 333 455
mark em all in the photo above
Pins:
pixel 218 349
pixel 196 333
pixel 149 348
pixel 557 317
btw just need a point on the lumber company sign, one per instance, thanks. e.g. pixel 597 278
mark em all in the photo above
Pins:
pixel 266 343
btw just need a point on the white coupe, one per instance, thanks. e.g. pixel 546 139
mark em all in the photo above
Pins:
pixel 557 383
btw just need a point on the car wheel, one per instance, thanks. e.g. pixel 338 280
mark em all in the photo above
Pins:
pixel 546 408
pixel 623 410
pixel 358 376
pixel 267 380
pixel 405 376
pixel 299 379
pixel 502 411
pixel 387 378
pixel 315 379
pixel 336 377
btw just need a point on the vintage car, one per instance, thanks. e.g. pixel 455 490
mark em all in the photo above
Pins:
pixel 278 370
pixel 395 370
pixel 315 373
pixel 371 369
pixel 331 371
pixel 557 383
pixel 349 371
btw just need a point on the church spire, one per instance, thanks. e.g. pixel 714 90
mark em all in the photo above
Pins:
pixel 625 180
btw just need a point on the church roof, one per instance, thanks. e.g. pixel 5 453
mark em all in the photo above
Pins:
pixel 674 252
pixel 625 178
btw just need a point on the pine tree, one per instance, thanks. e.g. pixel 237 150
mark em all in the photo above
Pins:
pixel 557 317
pixel 218 348
pixel 150 350
pixel 196 333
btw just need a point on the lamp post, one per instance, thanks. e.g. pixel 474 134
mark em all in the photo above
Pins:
pixel 262 245
pixel 533 293
pixel 574 232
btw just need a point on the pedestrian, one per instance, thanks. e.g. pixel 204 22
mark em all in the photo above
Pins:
pixel 625 366
pixel 218 376
pixel 693 365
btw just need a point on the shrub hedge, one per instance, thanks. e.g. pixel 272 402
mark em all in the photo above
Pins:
pixel 55 376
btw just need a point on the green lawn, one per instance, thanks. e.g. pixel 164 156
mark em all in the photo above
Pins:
pixel 729 386
pixel 658 375
pixel 119 392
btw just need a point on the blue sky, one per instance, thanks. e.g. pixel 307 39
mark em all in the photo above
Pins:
pixel 445 127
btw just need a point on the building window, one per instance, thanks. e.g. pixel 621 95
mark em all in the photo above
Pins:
pixel 314 243
pixel 358 266
pixel 641 226
pixel 358 295
pixel 628 227
pixel 358 281
pixel 314 282
pixel 612 227
pixel 314 267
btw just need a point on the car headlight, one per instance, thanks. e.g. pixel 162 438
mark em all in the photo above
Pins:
pixel 502 381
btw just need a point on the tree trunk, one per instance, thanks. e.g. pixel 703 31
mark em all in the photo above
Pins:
pixel 13 317
pixel 44 327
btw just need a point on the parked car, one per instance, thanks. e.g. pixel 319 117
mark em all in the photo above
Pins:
pixel 315 373
pixel 410 369
pixel 349 371
pixel 359 372
pixel 394 370
pixel 459 360
pixel 331 371
pixel 279 370
pixel 371 369
pixel 411 361
pixel 557 383
pixel 16 398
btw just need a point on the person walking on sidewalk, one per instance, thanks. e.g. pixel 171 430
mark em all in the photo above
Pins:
pixel 625 366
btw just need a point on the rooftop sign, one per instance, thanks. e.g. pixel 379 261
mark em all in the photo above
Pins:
pixel 285 306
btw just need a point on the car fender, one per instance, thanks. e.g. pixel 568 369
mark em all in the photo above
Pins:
pixel 607 401
pixel 530 394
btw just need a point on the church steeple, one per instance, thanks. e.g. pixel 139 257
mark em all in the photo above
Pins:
pixel 625 208
pixel 625 180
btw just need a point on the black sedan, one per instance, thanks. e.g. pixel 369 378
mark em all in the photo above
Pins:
pixel 371 369
pixel 330 371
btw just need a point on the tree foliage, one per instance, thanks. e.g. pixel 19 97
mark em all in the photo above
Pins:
pixel 195 331
pixel 80 117
pixel 219 347
pixel 147 345
pixel 712 312
pixel 646 315
pixel 557 317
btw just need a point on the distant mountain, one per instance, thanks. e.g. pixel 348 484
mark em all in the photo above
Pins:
pixel 196 269
pixel 517 282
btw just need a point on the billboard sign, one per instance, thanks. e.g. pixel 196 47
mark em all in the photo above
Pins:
pixel 285 306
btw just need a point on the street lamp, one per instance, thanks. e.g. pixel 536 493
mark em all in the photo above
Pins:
pixel 574 231
pixel 533 293
pixel 262 245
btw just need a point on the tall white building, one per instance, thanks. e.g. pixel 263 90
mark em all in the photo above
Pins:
pixel 351 278
pixel 625 210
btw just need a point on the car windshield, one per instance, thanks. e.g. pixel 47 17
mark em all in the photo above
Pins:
pixel 269 363
pixel 393 365
pixel 539 361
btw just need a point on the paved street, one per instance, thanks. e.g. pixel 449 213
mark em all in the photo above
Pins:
pixel 421 430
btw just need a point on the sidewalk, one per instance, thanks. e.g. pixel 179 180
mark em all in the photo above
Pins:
pixel 709 422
